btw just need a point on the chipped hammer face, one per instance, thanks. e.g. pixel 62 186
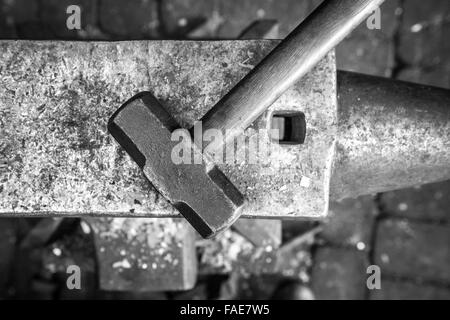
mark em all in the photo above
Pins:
pixel 201 192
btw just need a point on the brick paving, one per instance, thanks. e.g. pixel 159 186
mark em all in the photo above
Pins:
pixel 413 250
pixel 422 51
pixel 372 51
pixel 236 15
pixel 8 238
pixel 53 15
pixel 339 274
pixel 409 290
pixel 405 232
pixel 133 19
pixel 424 203
pixel 351 223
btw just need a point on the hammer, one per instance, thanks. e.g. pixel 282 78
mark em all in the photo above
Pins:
pixel 200 191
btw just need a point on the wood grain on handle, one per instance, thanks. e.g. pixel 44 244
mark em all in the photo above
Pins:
pixel 296 55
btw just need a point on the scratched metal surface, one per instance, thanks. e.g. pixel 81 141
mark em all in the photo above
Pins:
pixel 56 157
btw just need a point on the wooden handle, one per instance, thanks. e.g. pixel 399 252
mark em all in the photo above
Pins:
pixel 329 24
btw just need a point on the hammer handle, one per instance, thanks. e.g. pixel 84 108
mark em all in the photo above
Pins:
pixel 296 55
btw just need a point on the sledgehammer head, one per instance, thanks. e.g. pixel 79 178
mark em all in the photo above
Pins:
pixel 200 191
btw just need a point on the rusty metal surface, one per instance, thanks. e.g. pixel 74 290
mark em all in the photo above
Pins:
pixel 58 159
pixel 145 254
pixel 392 135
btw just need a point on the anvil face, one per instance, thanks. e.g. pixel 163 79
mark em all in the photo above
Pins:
pixel 190 77
pixel 200 191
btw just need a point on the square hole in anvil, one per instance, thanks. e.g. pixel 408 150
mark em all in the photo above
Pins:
pixel 288 128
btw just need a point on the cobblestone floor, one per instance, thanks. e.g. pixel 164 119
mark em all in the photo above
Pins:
pixel 406 232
